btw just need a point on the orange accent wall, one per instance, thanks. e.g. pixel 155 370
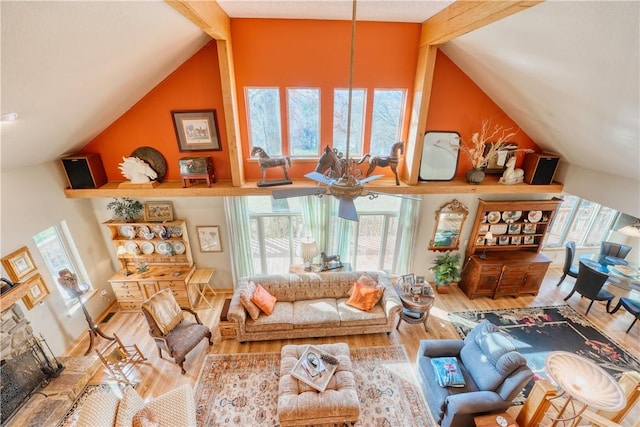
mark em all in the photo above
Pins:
pixel 458 104
pixel 195 85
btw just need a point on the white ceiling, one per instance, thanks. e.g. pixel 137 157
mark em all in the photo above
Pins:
pixel 566 72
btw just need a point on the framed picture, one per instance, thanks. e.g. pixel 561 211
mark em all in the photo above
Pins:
pixel 480 241
pixel 19 264
pixel 529 240
pixel 503 240
pixel 514 228
pixel 209 238
pixel 516 240
pixel 37 291
pixel 196 130
pixel 409 280
pixel 498 163
pixel 529 228
pixel 158 211
pixel 484 228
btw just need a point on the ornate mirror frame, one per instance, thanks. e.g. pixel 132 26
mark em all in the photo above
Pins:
pixel 449 221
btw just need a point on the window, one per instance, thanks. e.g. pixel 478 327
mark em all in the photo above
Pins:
pixel 59 252
pixel 386 122
pixel 340 113
pixel 582 221
pixel 303 108
pixel 263 106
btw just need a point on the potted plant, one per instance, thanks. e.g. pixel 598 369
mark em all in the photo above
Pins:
pixel 446 270
pixel 126 209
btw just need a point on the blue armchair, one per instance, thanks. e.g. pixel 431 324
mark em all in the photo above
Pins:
pixel 493 371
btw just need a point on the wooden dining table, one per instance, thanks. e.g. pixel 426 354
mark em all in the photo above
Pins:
pixel 611 266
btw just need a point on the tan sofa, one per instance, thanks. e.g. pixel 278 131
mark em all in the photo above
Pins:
pixel 314 305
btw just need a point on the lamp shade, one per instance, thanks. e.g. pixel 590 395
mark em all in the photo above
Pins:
pixel 488 236
pixel 308 248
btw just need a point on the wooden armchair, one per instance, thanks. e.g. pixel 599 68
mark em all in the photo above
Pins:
pixel 172 331
pixel 119 359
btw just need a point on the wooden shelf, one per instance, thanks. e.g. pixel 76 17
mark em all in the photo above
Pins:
pixel 225 188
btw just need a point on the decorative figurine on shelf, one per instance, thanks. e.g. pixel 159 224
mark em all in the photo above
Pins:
pixel 137 171
pixel 267 162
pixel 331 163
pixel 330 262
pixel 391 160
pixel 512 175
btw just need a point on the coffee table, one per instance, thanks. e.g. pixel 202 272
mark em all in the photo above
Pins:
pixel 300 404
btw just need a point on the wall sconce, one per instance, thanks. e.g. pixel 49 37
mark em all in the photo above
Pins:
pixel 308 250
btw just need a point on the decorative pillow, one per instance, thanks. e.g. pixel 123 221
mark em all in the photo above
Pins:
pixel 264 300
pixel 447 372
pixel 164 309
pixel 145 418
pixel 370 282
pixel 363 297
pixel 130 404
pixel 245 299
pixel 494 345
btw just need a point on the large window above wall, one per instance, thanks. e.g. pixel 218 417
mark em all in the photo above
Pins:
pixel 265 131
pixel 303 109
pixel 59 252
pixel 340 113
pixel 386 121
pixel 582 221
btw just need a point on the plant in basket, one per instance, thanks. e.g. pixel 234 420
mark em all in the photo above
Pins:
pixel 446 270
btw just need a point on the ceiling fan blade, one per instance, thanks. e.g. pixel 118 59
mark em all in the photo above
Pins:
pixel 403 196
pixel 370 178
pixel 297 192
pixel 347 209
pixel 318 177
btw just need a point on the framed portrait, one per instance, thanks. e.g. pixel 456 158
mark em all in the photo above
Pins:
pixel 209 238
pixel 158 211
pixel 409 279
pixel 37 290
pixel 18 264
pixel 498 163
pixel 196 130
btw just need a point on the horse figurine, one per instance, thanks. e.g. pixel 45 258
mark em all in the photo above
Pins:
pixel 331 163
pixel 391 160
pixel 267 162
pixel 512 175
pixel 137 171
pixel 329 260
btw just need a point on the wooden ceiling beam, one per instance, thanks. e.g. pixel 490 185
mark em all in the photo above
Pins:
pixel 464 16
pixel 206 14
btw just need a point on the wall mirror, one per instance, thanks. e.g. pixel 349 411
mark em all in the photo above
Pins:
pixel 449 221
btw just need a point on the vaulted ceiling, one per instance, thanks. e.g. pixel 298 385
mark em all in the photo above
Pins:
pixel 566 72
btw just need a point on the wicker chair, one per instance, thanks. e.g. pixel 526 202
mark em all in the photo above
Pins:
pixel 171 330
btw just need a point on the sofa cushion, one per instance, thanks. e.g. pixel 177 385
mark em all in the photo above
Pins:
pixel 245 299
pixel 351 316
pixel 316 313
pixel 263 299
pixel 280 319
pixel 99 409
pixel 494 345
pixel 145 417
pixel 364 297
pixel 164 309
pixel 130 404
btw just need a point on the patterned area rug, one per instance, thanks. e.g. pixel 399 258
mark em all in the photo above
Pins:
pixel 242 389
pixel 537 331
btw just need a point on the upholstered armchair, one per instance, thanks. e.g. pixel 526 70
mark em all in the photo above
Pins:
pixel 172 331
pixel 494 374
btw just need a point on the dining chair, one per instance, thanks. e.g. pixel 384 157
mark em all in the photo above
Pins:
pixel 617 250
pixel 569 269
pixel 589 284
pixel 632 306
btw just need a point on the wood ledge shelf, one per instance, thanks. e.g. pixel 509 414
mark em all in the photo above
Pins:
pixel 225 188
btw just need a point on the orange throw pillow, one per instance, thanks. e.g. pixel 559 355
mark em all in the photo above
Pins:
pixel 363 297
pixel 370 282
pixel 264 300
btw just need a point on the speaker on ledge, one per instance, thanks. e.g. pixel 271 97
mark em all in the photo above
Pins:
pixel 539 168
pixel 84 171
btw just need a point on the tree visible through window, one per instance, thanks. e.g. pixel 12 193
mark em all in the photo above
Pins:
pixel 340 113
pixel 386 122
pixel 263 106
pixel 304 122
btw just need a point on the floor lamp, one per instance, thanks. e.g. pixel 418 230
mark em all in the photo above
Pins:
pixel 69 281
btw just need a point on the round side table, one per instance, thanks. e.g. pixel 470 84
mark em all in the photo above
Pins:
pixel 413 311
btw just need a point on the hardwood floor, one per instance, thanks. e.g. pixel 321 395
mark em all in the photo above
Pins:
pixel 157 376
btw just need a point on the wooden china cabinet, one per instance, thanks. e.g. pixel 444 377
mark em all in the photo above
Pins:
pixel 509 263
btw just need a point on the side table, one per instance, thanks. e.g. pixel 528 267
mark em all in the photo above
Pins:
pixel 491 420
pixel 420 308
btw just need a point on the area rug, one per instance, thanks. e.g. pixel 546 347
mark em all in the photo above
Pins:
pixel 242 389
pixel 71 418
pixel 537 331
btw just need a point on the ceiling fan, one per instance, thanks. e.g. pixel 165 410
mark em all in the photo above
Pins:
pixel 348 185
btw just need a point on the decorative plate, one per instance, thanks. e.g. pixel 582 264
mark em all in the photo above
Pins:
pixel 493 217
pixel 179 247
pixel 158 230
pixel 535 216
pixel 164 248
pixel 147 248
pixel 498 229
pixel 143 231
pixel 127 231
pixel 154 158
pixel 132 248
pixel 174 230
pixel 511 216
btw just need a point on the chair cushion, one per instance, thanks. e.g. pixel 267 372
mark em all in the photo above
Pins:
pixel 164 309
pixel 364 297
pixel 245 299
pixel 494 345
pixel 130 404
pixel 264 300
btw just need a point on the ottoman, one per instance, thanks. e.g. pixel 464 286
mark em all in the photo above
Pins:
pixel 300 404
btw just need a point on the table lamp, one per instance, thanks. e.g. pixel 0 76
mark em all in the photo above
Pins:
pixel 308 250
pixel 120 253
pixel 487 237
